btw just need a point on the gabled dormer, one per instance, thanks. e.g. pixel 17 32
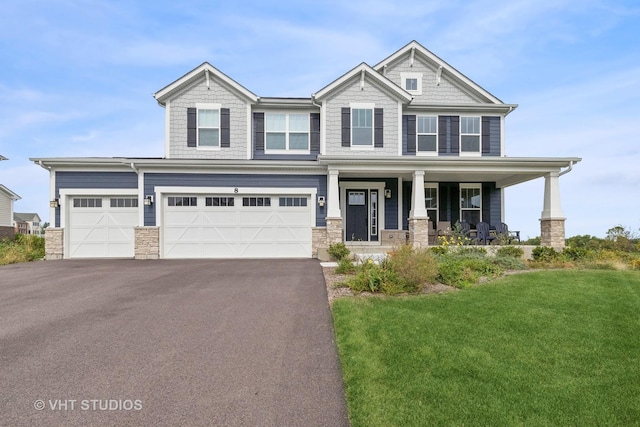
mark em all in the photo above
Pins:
pixel 361 113
pixel 207 115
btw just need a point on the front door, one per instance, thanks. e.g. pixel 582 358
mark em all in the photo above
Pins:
pixel 357 227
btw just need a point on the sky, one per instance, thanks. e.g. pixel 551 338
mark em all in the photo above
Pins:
pixel 77 78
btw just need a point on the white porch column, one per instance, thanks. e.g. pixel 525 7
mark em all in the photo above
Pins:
pixel 552 218
pixel 552 208
pixel 418 218
pixel 333 190
pixel 418 206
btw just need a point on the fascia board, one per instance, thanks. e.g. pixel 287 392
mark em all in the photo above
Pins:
pixel 163 94
pixel 9 193
pixel 464 108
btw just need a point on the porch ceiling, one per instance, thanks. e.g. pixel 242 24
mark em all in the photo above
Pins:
pixel 504 171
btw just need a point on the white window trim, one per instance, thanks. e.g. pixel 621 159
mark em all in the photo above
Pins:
pixel 437 208
pixel 358 185
pixel 363 106
pixel 208 106
pixel 470 153
pixel 470 185
pixel 288 150
pixel 417 76
pixel 427 153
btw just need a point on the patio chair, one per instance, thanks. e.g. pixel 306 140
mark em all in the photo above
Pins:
pixel 484 233
pixel 502 228
pixel 444 228
pixel 465 228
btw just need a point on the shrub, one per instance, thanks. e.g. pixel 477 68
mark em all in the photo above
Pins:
pixel 345 266
pixel 439 250
pixel 510 251
pixel 545 254
pixel 414 267
pixel 635 264
pixel 338 251
pixel 572 253
pixel 471 250
pixel 510 263
pixel 462 271
pixel 22 248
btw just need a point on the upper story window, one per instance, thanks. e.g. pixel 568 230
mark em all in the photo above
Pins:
pixel 427 134
pixel 287 131
pixel 470 135
pixel 411 82
pixel 208 125
pixel 362 127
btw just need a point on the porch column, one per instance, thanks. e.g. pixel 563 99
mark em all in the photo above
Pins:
pixel 418 219
pixel 334 216
pixel 552 218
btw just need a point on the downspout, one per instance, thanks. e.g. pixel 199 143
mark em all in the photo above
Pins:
pixel 133 166
pixel 566 171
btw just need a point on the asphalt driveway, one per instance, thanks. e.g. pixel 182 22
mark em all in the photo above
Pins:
pixel 222 342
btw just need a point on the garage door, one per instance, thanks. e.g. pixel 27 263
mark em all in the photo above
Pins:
pixel 232 226
pixel 102 226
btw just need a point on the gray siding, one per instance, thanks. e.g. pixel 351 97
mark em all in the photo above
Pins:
pixel 152 180
pixel 93 180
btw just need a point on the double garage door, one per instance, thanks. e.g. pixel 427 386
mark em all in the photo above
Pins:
pixel 236 226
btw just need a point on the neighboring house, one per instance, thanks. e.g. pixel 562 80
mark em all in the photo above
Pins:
pixel 27 223
pixel 7 197
pixel 372 157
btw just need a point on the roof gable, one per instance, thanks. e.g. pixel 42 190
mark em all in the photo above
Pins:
pixel 25 217
pixel 414 49
pixel 363 72
pixel 207 71
pixel 10 194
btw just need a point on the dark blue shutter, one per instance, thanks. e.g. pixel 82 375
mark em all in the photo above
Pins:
pixel 443 125
pixel 455 135
pixel 378 135
pixel 314 136
pixel 192 128
pixel 346 127
pixel 258 131
pixel 225 130
pixel 486 136
pixel 411 134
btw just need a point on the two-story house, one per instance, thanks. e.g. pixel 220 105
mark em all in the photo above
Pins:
pixel 27 223
pixel 380 153
pixel 7 197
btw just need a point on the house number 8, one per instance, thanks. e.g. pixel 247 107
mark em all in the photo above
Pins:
pixel 235 190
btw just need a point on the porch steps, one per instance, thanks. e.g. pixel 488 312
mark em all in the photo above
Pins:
pixel 363 252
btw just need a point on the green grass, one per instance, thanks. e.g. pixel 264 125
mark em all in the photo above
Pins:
pixel 541 348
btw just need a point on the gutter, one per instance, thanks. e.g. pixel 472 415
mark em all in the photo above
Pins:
pixel 569 169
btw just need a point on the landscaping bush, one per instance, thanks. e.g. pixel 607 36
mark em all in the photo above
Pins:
pixel 573 253
pixel 462 271
pixel 414 267
pixel 338 251
pixel 22 248
pixel 510 263
pixel 510 251
pixel 545 254
pixel 345 266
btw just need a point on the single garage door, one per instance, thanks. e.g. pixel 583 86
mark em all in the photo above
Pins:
pixel 102 226
pixel 234 226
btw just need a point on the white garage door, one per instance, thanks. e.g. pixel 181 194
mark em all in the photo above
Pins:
pixel 233 226
pixel 102 226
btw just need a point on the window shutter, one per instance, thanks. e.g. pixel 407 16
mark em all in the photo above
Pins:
pixel 225 128
pixel 411 134
pixel 486 133
pixel 191 127
pixel 455 134
pixel 258 131
pixel 346 127
pixel 314 135
pixel 378 132
pixel 442 134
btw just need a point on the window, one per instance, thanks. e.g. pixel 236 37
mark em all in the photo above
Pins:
pixel 208 125
pixel 87 202
pixel 471 203
pixel 427 134
pixel 219 201
pixel 356 198
pixel 287 131
pixel 293 201
pixel 124 202
pixel 362 127
pixel 182 201
pixel 431 203
pixel 412 82
pixel 470 135
pixel 256 201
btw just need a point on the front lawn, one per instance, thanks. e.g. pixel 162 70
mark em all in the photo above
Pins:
pixel 540 348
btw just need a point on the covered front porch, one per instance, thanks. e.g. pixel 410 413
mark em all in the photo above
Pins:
pixel 381 202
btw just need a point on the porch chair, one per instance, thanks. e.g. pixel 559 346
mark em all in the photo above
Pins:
pixel 484 233
pixel 502 228
pixel 444 229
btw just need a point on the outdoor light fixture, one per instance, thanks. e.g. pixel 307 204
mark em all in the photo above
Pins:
pixel 387 193
pixel 55 203
pixel 321 201
pixel 148 200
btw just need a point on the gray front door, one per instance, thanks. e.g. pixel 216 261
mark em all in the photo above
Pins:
pixel 357 216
